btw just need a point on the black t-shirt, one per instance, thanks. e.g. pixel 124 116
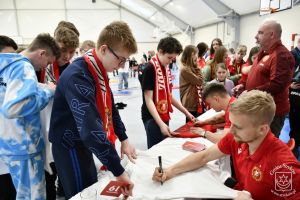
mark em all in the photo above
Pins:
pixel 148 83
pixel 60 69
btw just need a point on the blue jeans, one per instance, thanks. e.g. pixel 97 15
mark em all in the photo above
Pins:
pixel 123 76
pixel 154 135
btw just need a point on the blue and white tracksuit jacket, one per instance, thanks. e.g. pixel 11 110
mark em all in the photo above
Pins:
pixel 21 141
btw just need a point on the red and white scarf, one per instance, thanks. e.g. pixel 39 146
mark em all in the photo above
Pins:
pixel 103 95
pixel 162 89
pixel 199 97
pixel 50 74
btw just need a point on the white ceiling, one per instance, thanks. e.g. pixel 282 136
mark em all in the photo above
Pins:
pixel 243 7
pixel 27 18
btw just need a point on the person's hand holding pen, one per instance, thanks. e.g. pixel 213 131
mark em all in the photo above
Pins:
pixel 160 169
pixel 161 175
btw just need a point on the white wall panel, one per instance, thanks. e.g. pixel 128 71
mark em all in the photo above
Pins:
pixel 4 4
pixel 144 47
pixel 184 39
pixel 40 4
pixel 90 23
pixel 33 22
pixel 206 34
pixel 88 4
pixel 142 31
pixel 8 23
pixel 288 20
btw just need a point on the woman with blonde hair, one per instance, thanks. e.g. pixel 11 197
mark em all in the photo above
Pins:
pixel 191 81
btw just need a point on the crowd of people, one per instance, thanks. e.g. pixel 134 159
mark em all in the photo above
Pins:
pixel 256 96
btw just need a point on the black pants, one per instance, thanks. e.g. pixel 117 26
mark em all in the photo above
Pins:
pixel 294 117
pixel 50 183
pixel 277 124
pixel 154 135
pixel 75 167
pixel 51 189
pixel 7 188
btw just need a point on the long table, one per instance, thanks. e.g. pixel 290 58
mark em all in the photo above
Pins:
pixel 206 182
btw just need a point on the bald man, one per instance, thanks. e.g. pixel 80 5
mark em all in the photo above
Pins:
pixel 272 71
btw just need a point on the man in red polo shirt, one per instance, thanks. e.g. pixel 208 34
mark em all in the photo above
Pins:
pixel 215 95
pixel 264 166
pixel 272 71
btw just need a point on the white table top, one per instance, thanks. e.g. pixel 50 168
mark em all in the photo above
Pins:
pixel 206 182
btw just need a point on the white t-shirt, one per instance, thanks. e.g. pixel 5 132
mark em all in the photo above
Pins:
pixel 126 67
pixel 3 168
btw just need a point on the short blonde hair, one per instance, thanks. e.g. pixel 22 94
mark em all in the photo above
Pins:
pixel 259 105
pixel 67 37
pixel 241 48
pixel 117 35
pixel 68 25
pixel 87 44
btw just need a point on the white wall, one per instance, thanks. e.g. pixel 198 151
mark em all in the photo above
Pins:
pixel 289 20
pixel 144 47
pixel 208 33
pixel 184 39
pixel 249 24
pixel 32 17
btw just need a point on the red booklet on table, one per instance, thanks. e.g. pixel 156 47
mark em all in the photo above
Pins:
pixel 113 188
pixel 185 131
pixel 193 146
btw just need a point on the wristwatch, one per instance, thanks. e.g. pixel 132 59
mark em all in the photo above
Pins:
pixel 203 134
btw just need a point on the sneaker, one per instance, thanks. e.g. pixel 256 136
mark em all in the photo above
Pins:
pixel 119 106
pixel 123 104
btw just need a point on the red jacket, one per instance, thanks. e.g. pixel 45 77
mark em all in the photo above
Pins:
pixel 272 72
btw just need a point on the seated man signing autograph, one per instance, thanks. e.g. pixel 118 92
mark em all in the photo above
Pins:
pixel 264 166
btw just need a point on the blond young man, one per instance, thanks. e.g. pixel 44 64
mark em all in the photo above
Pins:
pixel 84 119
pixel 216 95
pixel 264 166
pixel 21 100
pixel 87 45
pixel 67 36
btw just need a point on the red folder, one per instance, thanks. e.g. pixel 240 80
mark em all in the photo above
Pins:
pixel 185 132
pixel 209 127
pixel 113 188
pixel 193 146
